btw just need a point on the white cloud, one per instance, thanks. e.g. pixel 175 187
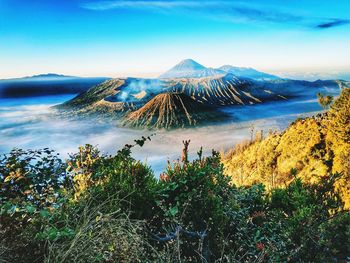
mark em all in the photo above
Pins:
pixel 106 5
pixel 229 11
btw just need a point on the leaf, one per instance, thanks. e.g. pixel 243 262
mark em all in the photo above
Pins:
pixel 7 179
pixel 27 192
pixel 257 236
pixel 173 211
pixel 30 209
pixel 12 210
pixel 44 213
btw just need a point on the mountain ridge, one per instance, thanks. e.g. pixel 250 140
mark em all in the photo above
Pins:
pixel 188 68
pixel 116 98
pixel 248 72
pixel 46 76
pixel 46 84
pixel 119 98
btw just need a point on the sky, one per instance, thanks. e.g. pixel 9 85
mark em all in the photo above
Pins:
pixel 117 38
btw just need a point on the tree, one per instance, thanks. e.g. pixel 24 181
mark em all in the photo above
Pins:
pixel 339 116
pixel 325 100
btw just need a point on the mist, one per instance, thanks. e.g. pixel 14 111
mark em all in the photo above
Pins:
pixel 27 123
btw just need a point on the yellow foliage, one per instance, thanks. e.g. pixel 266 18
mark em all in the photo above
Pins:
pixel 309 148
pixel 80 166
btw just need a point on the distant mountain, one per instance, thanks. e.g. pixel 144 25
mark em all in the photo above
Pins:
pixel 46 76
pixel 189 68
pixel 49 76
pixel 46 84
pixel 247 73
pixel 172 110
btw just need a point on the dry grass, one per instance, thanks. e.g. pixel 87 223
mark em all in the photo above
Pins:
pixel 101 237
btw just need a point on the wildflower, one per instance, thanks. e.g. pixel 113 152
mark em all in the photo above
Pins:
pixel 258 214
pixel 260 246
pixel 164 177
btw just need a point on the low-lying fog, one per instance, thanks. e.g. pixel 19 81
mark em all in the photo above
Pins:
pixel 25 123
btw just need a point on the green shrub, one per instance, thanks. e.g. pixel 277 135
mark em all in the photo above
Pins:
pixel 305 212
pixel 31 186
pixel 98 208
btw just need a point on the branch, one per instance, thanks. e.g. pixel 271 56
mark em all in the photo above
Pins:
pixel 176 233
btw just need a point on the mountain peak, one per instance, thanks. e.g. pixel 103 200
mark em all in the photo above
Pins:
pixel 188 64
pixel 189 68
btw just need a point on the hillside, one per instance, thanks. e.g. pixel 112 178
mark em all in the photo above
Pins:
pixel 92 101
pixel 310 148
pixel 225 90
pixel 171 110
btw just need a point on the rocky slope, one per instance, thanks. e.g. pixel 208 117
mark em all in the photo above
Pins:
pixel 172 110
pixel 224 90
pixel 95 101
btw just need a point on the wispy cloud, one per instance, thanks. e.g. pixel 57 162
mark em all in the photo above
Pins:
pixel 334 23
pixel 231 11
pixel 106 5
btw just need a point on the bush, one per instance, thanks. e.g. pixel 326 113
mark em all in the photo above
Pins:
pixel 305 211
pixel 31 186
pixel 100 208
pixel 192 196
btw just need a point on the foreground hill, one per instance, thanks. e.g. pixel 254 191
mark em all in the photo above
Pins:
pixel 172 110
pixel 310 148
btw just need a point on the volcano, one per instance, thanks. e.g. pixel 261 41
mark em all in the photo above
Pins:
pixel 187 95
pixel 189 68
pixel 171 110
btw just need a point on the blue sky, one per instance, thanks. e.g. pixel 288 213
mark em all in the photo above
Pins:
pixel 143 38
